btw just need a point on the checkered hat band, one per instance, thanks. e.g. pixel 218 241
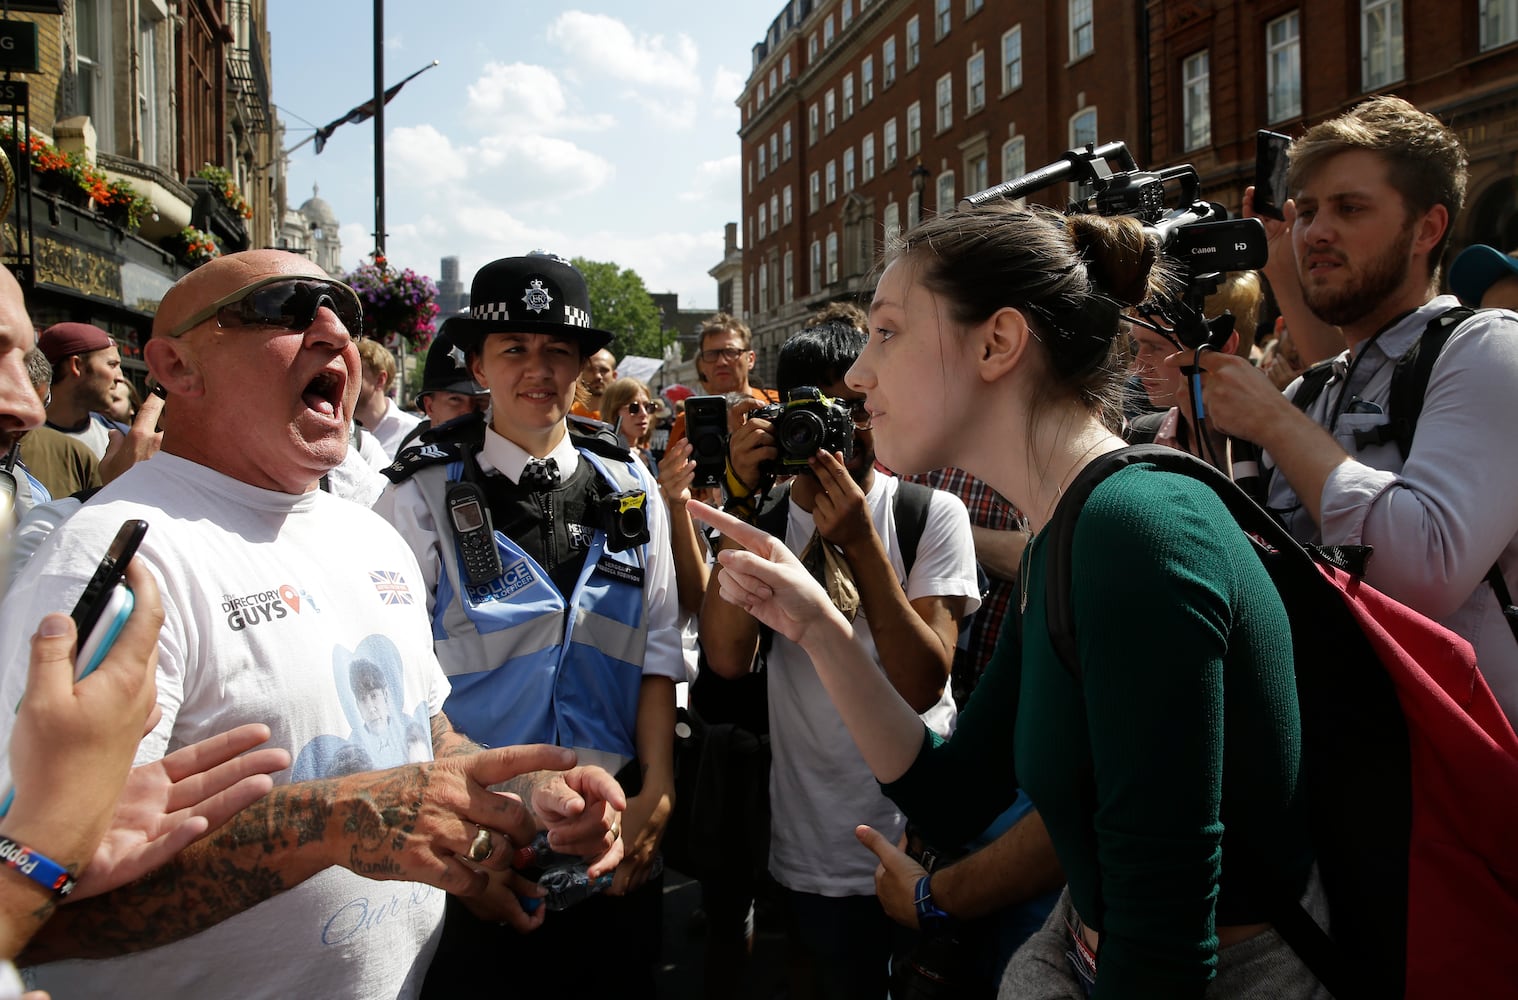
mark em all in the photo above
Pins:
pixel 500 311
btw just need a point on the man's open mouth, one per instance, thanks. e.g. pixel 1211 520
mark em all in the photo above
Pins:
pixel 324 393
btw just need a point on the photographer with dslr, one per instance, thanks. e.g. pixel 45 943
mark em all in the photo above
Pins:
pixel 850 524
pixel 995 347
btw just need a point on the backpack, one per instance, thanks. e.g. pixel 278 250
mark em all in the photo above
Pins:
pixel 1409 384
pixel 720 824
pixel 1409 766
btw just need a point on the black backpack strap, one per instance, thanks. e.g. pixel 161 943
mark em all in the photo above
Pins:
pixel 910 511
pixel 1409 382
pixel 1314 379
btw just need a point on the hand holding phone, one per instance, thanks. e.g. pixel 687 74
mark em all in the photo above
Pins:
pixel 1270 166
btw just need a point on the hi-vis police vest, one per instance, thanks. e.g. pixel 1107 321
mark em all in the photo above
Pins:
pixel 527 664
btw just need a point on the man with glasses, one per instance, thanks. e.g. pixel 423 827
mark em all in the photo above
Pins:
pixel 849 521
pixel 271 590
pixel 723 364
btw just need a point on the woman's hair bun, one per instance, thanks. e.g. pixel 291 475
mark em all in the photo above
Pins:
pixel 1120 255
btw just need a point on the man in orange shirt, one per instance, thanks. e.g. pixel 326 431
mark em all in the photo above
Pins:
pixel 598 372
pixel 723 362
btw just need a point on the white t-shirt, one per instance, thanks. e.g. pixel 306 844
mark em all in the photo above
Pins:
pixel 820 786
pixel 303 612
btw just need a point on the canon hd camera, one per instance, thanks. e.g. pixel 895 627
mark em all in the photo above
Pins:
pixel 806 423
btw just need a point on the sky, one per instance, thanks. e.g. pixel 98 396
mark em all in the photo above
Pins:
pixel 602 129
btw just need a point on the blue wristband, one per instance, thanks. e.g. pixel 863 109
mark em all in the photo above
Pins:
pixel 929 916
pixel 38 867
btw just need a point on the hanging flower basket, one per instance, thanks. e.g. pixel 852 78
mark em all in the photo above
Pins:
pixel 192 247
pixel 224 186
pixel 396 303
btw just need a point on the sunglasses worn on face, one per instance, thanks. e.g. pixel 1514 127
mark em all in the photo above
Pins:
pixel 637 407
pixel 281 300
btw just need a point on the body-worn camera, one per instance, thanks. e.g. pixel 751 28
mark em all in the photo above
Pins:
pixel 623 517
pixel 806 423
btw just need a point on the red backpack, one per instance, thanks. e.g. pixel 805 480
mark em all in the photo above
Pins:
pixel 1409 764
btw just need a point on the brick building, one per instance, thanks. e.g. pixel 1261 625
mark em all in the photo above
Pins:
pixel 1221 70
pixel 847 97
pixel 859 115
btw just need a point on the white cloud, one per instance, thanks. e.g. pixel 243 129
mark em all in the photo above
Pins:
pixel 521 97
pixel 606 45
pixel 395 43
pixel 421 154
pixel 726 86
pixel 714 179
pixel 539 168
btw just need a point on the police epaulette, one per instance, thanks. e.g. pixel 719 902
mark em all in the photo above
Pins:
pixel 601 446
pixel 419 457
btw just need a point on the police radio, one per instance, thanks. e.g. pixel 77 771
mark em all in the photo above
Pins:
pixel 476 535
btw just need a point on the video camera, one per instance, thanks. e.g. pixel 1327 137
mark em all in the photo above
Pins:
pixel 1195 234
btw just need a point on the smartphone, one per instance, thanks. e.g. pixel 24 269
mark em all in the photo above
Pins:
pixel 107 601
pixel 102 610
pixel 706 429
pixel 1270 165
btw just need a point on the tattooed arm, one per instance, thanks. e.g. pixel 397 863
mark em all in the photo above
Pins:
pixel 408 823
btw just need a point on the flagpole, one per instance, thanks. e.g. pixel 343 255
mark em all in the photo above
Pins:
pixel 379 130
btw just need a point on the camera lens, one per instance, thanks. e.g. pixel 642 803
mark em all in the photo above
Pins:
pixel 801 433
pixel 633 522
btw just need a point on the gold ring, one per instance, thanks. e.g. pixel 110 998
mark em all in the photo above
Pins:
pixel 616 828
pixel 482 847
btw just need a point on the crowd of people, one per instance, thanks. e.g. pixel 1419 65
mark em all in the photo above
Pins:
pixel 384 668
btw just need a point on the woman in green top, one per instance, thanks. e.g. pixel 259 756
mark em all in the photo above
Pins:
pixel 1168 778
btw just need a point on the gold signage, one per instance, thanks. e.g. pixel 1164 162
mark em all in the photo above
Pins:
pixel 78 268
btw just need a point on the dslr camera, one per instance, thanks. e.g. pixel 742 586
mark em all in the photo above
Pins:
pixel 805 423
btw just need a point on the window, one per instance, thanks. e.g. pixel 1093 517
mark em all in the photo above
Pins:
pixel 814 198
pixel 772 81
pixel 1082 29
pixel 848 96
pixel 774 151
pixel 848 170
pixel 888 142
pixel 867 157
pixel 92 49
pixel 941 18
pixel 764 220
pixel 790 276
pixel 1196 112
pixel 888 61
pixel 751 287
pixel 785 67
pixel 827 31
pixel 750 176
pixel 1082 127
pixel 832 253
pixel 762 170
pixel 147 85
pixel 1283 68
pixel 845 14
pixel 974 7
pixel 867 80
pixel 914 210
pixel 1012 60
pixel 832 181
pixel 816 266
pixel 785 140
pixel 811 49
pixel 914 128
pixel 786 201
pixel 914 42
pixel 830 111
pixel 977 174
pixel 892 221
pixel 764 287
pixel 975 83
pixel 759 93
pixel 775 211
pixel 1499 22
pixel 1380 43
pixel 945 101
pixel 1014 158
pixel 945 192
pixel 748 239
pixel 811 125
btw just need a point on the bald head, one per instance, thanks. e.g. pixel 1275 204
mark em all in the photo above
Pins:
pixel 20 409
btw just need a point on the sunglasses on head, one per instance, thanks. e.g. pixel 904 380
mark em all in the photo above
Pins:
pixel 280 300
